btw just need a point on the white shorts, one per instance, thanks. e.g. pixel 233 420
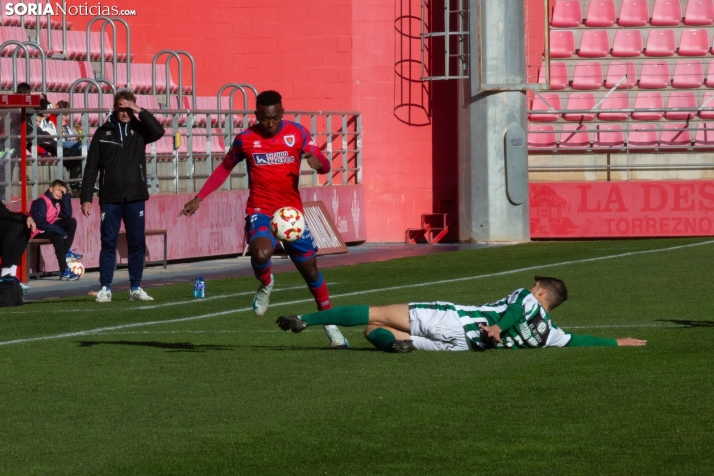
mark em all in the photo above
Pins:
pixel 436 329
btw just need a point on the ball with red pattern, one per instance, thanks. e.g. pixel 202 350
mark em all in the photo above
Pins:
pixel 76 267
pixel 288 224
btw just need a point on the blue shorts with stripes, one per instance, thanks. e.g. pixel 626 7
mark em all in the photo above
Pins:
pixel 302 249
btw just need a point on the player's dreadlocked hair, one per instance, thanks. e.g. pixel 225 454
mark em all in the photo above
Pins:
pixel 557 292
pixel 268 98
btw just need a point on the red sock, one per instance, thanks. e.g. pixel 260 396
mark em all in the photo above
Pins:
pixel 262 272
pixel 321 294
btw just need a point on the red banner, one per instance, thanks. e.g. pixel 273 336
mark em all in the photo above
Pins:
pixel 622 209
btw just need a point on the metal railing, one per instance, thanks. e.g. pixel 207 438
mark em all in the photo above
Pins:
pixel 174 168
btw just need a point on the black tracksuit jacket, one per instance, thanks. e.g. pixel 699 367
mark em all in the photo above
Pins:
pixel 117 154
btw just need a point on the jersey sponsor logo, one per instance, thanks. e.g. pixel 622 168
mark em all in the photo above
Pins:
pixel 289 140
pixel 539 329
pixel 273 158
pixel 312 142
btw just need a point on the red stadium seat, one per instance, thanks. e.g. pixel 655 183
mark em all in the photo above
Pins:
pixel 553 102
pixel 666 13
pixel 681 99
pixel 693 43
pixel 594 44
pixel 654 75
pixel 541 136
pixel 558 75
pixel 628 43
pixel 616 100
pixel 699 12
pixel 575 136
pixel 616 70
pixel 688 74
pixel 601 13
pixel 710 76
pixel 566 14
pixel 660 43
pixel 642 136
pixel 580 101
pixel 634 13
pixel 675 135
pixel 8 33
pixel 587 75
pixel 705 136
pixel 707 105
pixel 562 44
pixel 609 136
pixel 649 100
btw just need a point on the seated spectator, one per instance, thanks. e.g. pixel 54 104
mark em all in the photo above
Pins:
pixel 15 230
pixel 52 213
pixel 71 143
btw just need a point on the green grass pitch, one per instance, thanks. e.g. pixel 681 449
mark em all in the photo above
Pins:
pixel 195 387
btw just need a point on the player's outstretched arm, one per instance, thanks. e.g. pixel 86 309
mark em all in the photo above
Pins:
pixel 190 207
pixel 630 342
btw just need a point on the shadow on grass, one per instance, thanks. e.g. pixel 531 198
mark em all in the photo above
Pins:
pixel 169 346
pixel 688 322
pixel 302 347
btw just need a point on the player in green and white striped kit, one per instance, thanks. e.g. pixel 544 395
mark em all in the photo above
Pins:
pixel 518 321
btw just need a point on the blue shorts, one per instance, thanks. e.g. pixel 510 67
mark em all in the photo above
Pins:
pixel 302 249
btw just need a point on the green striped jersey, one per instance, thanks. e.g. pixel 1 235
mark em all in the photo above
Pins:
pixel 533 328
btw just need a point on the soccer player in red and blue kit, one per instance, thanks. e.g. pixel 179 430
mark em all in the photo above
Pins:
pixel 272 150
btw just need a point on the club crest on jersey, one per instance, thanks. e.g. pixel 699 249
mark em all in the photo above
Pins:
pixel 256 144
pixel 289 140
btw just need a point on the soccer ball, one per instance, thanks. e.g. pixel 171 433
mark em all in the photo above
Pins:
pixel 288 224
pixel 76 267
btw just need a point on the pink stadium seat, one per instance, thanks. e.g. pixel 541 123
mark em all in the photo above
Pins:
pixel 562 44
pixel 699 12
pixel 654 75
pixel 8 33
pixel 594 44
pixel 634 13
pixel 628 43
pixel 710 76
pixel 601 13
pixel 148 101
pixel 642 136
pixel 579 101
pixel 616 100
pixel 609 136
pixel 693 43
pixel 648 100
pixel 666 13
pixel 675 135
pixel 616 70
pixel 9 20
pixel 660 43
pixel 707 105
pixel 539 105
pixel 587 75
pixel 688 74
pixel 575 136
pixel 5 79
pixel 681 99
pixel 558 75
pixel 541 136
pixel 705 136
pixel 566 14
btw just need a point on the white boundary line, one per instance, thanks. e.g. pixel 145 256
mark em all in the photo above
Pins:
pixel 356 293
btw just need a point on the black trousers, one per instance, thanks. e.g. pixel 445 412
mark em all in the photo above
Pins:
pixel 61 244
pixel 13 241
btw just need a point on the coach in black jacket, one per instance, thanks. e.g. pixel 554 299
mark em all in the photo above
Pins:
pixel 117 154
pixel 15 230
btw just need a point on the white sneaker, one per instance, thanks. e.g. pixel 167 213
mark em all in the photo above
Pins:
pixel 104 295
pixel 338 340
pixel 261 301
pixel 139 295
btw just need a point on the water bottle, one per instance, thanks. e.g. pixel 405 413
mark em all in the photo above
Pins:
pixel 201 287
pixel 197 288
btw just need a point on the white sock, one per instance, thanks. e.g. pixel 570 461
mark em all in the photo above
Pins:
pixel 12 271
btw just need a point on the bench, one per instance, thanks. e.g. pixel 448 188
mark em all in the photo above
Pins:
pixel 148 233
pixel 37 243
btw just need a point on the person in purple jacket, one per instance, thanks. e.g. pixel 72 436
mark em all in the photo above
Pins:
pixel 52 213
